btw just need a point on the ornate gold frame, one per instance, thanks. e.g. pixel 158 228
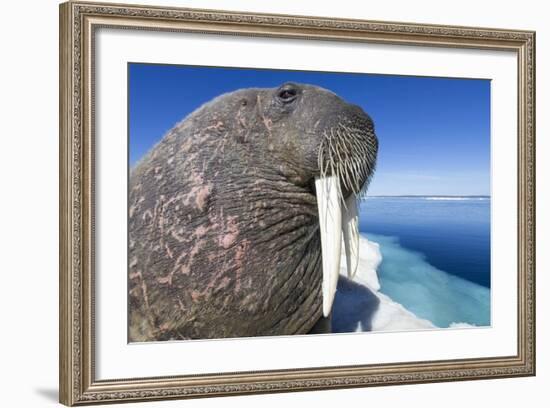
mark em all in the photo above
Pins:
pixel 78 22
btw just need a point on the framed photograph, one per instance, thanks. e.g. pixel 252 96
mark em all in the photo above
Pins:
pixel 256 203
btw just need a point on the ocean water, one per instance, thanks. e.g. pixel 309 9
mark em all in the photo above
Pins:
pixel 435 255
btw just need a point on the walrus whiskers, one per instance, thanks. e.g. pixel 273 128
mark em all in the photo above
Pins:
pixel 344 161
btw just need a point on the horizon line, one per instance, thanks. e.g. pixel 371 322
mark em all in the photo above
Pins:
pixel 430 195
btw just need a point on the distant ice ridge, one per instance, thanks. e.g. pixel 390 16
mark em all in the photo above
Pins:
pixel 359 305
pixel 456 198
pixel 436 198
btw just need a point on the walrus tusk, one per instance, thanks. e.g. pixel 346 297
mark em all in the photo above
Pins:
pixel 330 221
pixel 350 229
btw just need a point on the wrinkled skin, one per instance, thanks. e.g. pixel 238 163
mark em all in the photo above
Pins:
pixel 223 223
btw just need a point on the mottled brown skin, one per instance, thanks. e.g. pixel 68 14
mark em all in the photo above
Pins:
pixel 223 226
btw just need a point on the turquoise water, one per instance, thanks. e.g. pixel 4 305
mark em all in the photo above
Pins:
pixel 436 255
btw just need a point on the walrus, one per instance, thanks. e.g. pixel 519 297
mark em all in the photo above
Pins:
pixel 236 216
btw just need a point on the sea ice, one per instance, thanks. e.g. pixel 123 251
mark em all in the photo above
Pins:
pixel 428 292
pixel 422 297
pixel 359 306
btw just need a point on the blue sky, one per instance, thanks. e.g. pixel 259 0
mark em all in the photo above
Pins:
pixel 434 133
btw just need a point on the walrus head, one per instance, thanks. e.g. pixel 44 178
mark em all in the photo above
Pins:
pixel 331 146
pixel 234 213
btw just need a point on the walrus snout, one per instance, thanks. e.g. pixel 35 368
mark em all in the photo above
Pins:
pixel 356 110
pixel 346 160
pixel 348 149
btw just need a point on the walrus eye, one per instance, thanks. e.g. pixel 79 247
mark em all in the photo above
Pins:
pixel 287 95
